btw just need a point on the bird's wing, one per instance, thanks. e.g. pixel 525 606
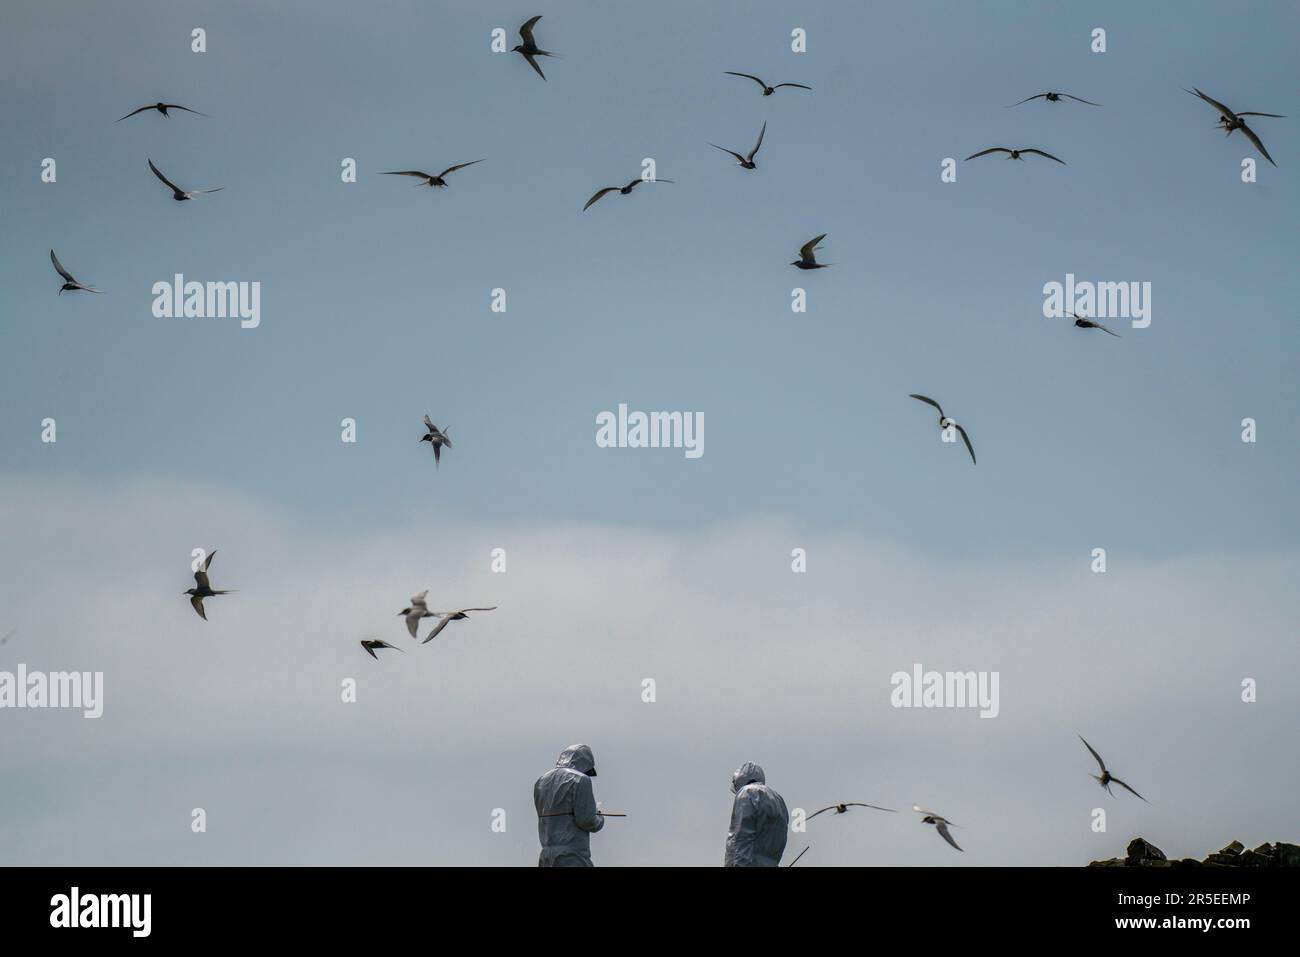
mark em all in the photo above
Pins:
pixel 1048 155
pixel 798 85
pixel 1027 99
pixel 208 561
pixel 1250 135
pixel 942 828
pixel 429 422
pixel 418 600
pixel 1214 103
pixel 157 173
pixel 877 807
pixel 436 628
pixel 966 438
pixel 413 622
pixel 748 76
pixel 1100 762
pixel 197 602
pixel 829 807
pixel 437 454
pixel 1080 99
pixel 177 106
pixel 134 112
pixel 201 579
pixel 408 172
pixel 493 608
pixel 991 149
pixel 598 195
pixel 1276 116
pixel 806 250
pixel 369 650
pixel 759 143
pixel 526 31
pixel 58 267
pixel 1104 329
pixel 927 400
pixel 452 169
pixel 1127 788
pixel 533 64
pixel 739 158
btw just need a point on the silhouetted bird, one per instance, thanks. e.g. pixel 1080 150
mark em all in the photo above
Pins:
pixel 1014 154
pixel 69 284
pixel 529 49
pixel 431 179
pixel 941 823
pixel 745 161
pixel 1106 779
pixel 179 194
pixel 944 422
pixel 203 589
pixel 767 90
pixel 161 108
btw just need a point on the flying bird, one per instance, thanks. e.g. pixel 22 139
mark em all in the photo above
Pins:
pixel 69 283
pixel 202 588
pixel 807 257
pixel 372 644
pixel 624 190
pixel 941 823
pixel 161 108
pixel 1014 154
pixel 1106 778
pixel 944 422
pixel 1229 121
pixel 6 638
pixel 431 179
pixel 1054 98
pixel 529 49
pixel 435 437
pixel 747 162
pixel 767 90
pixel 1083 323
pixel 843 808
pixel 415 611
pixel 179 194
pixel 447 616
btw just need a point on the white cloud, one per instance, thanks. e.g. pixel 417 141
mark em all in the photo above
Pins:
pixel 241 715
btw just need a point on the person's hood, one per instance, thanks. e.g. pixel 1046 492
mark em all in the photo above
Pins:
pixel 747 773
pixel 580 759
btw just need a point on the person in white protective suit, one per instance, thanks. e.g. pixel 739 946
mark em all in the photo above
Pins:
pixel 567 812
pixel 759 821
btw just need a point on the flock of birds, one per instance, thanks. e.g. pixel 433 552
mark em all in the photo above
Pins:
pixel 1229 120
pixel 941 823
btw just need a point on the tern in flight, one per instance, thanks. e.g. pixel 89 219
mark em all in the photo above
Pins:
pixel 1014 154
pixel 941 823
pixel 624 190
pixel 945 422
pixel 807 257
pixel 179 194
pixel 415 611
pixel 767 90
pixel 1230 121
pixel 746 162
pixel 1083 323
pixel 529 49
pixel 161 108
pixel 435 437
pixel 1054 98
pixel 372 644
pixel 431 179
pixel 447 616
pixel 202 588
pixel 843 808
pixel 1106 778
pixel 69 283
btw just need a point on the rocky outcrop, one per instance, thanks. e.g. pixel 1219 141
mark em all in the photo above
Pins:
pixel 1142 853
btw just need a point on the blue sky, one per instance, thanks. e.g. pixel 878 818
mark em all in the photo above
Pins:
pixel 375 295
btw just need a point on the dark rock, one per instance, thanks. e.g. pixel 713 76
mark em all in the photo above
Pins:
pixel 1140 851
pixel 1254 859
pixel 1286 855
pixel 1236 847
